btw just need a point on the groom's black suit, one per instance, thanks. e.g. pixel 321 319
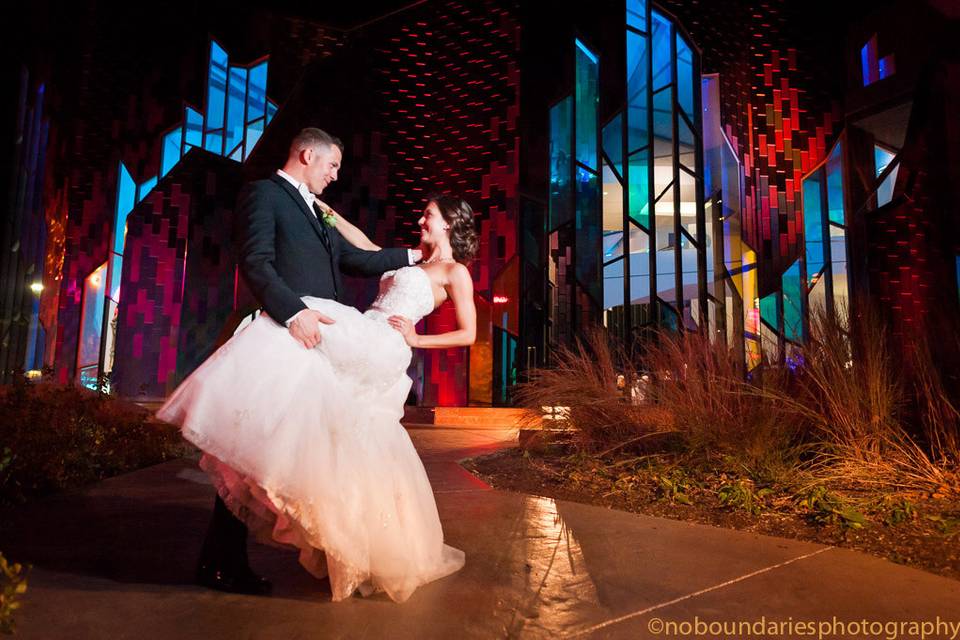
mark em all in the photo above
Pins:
pixel 286 253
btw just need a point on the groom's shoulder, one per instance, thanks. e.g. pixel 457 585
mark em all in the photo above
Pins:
pixel 264 187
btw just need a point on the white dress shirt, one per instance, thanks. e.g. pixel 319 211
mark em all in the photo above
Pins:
pixel 310 199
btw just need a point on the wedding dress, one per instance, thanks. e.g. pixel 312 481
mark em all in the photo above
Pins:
pixel 306 447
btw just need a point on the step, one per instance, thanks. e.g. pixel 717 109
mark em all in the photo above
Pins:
pixel 466 416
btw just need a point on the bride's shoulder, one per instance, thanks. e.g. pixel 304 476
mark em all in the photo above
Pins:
pixel 458 274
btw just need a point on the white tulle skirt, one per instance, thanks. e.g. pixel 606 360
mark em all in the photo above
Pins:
pixel 306 447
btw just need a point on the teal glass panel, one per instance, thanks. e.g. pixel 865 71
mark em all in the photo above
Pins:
pixel 115 272
pixel 660 34
pixel 835 185
pixel 254 132
pixel 146 187
pixel 613 143
pixel 126 199
pixel 236 106
pixel 589 233
pixel 172 143
pixel 561 144
pixel 668 317
pixel 792 317
pixel 638 196
pixel 685 77
pixel 637 14
pixel 637 99
pixel 663 122
pixel 216 87
pixel 257 92
pixel 193 127
pixel 588 102
pixel 813 224
pixel 768 310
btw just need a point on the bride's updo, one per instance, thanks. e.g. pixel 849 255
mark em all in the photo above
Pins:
pixel 459 215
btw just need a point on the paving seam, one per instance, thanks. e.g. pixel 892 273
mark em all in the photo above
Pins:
pixel 635 614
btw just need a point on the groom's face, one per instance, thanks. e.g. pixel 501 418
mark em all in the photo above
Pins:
pixel 323 163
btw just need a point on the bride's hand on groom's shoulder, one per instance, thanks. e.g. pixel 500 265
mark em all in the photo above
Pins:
pixel 305 327
pixel 406 329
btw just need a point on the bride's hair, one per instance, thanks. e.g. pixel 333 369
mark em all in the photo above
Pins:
pixel 459 215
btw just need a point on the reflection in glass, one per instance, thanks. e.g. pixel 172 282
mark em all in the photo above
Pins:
pixel 588 101
pixel 561 142
pixel 637 98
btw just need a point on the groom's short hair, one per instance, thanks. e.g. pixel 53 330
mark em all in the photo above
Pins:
pixel 311 137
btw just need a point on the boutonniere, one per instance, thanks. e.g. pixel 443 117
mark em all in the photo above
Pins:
pixel 327 216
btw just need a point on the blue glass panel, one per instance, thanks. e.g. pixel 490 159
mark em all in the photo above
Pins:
pixel 172 143
pixel 886 66
pixel 254 131
pixel 661 50
pixel 216 87
pixel 561 144
pixel 958 275
pixel 271 111
pixel 116 274
pixel 792 318
pixel 193 127
pixel 835 184
pixel 126 199
pixel 146 187
pixel 637 99
pixel 881 158
pixel 213 142
pixel 91 321
pixel 257 92
pixel 236 105
pixel 613 142
pixel 637 14
pixel 589 233
pixel 638 175
pixel 768 310
pixel 865 64
pixel 813 224
pixel 663 121
pixel 588 101
pixel 685 77
pixel 668 317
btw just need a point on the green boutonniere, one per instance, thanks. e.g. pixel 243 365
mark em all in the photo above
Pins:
pixel 326 215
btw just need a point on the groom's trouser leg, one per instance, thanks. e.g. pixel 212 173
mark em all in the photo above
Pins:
pixel 226 543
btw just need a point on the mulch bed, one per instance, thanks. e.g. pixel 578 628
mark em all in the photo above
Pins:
pixel 928 539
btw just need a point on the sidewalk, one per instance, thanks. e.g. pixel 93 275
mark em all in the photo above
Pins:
pixel 116 561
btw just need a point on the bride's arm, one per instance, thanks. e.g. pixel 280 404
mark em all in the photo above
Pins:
pixel 351 234
pixel 461 292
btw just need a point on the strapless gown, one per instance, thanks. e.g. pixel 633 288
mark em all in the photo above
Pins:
pixel 306 447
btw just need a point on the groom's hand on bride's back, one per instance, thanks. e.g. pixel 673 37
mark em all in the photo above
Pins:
pixel 305 327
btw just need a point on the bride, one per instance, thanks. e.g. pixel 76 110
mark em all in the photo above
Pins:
pixel 305 446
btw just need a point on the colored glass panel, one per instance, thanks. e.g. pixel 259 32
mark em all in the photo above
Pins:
pixel 660 34
pixel 170 155
pixel 881 158
pixel 216 87
pixel 91 317
pixel 639 266
pixel 146 187
pixel 792 317
pixel 638 196
pixel 588 101
pixel 126 199
pixel 835 185
pixel 637 14
pixel 613 142
pixel 613 284
pixel 561 143
pixel 637 99
pixel 236 106
pixel 254 132
pixel 813 224
pixel 685 77
pixel 193 127
pixel 271 111
pixel 257 92
pixel 589 236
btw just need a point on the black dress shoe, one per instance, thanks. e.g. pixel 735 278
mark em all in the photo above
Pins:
pixel 244 581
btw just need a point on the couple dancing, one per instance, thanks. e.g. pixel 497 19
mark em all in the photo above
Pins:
pixel 298 415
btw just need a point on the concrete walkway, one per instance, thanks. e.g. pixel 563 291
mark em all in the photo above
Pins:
pixel 116 561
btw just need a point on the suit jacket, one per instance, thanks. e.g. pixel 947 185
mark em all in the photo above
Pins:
pixel 285 253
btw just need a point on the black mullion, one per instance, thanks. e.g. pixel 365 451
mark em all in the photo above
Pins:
pixel 677 227
pixel 827 248
pixel 625 199
pixel 700 194
pixel 651 211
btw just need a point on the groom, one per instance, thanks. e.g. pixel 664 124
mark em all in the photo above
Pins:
pixel 288 250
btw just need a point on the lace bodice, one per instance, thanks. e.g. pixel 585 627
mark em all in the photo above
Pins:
pixel 404 292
